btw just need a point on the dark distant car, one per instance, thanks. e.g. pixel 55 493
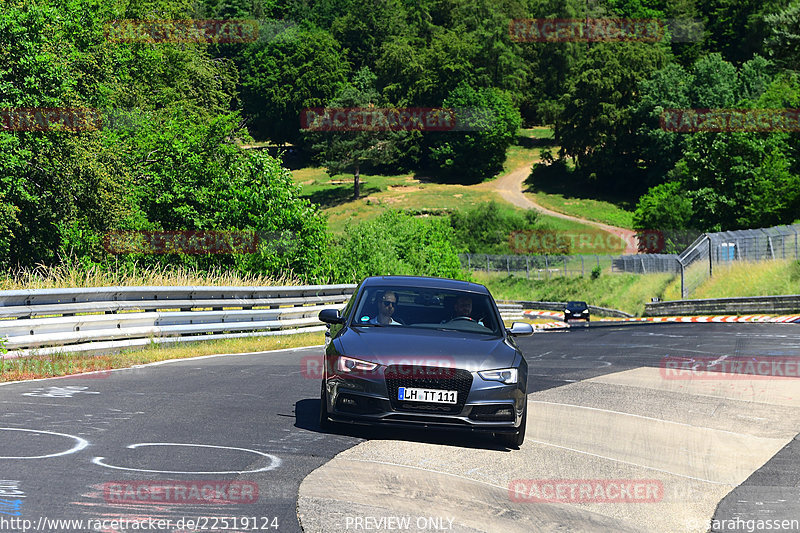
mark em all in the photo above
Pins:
pixel 576 311
pixel 430 352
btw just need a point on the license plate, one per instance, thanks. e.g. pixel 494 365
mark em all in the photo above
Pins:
pixel 426 395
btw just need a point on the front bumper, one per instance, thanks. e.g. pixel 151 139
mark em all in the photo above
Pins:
pixel 489 406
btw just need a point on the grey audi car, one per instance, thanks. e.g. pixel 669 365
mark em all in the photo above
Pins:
pixel 423 351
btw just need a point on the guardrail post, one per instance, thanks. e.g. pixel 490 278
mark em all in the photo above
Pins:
pixel 527 267
pixel 565 266
pixel 469 262
pixel 546 268
pixel 710 256
pixel 683 284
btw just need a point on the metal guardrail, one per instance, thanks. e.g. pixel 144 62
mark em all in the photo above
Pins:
pixel 755 304
pixel 559 306
pixel 107 319
pixel 104 319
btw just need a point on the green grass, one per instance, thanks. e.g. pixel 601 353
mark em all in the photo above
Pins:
pixel 63 364
pixel 517 156
pixel 405 191
pixel 587 208
pixel 626 292
pixel 73 274
pixel 557 188
pixel 764 278
pixel 380 193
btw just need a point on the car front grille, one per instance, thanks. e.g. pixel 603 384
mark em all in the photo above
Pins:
pixel 428 377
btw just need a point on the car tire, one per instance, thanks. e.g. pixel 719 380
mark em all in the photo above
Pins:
pixel 324 422
pixel 511 440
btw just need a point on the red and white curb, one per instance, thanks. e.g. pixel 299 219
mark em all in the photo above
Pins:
pixel 717 318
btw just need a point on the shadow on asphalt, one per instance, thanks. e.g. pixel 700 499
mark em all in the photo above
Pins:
pixel 307 417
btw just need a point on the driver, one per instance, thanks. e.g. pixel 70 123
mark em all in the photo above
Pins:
pixel 463 306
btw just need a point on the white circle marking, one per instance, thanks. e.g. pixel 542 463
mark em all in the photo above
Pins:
pixel 81 443
pixel 275 462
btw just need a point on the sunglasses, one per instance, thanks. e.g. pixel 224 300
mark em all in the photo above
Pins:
pixel 387 303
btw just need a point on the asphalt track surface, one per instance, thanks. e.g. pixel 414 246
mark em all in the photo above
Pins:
pixel 67 444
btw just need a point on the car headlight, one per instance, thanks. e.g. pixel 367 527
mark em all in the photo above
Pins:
pixel 506 375
pixel 349 365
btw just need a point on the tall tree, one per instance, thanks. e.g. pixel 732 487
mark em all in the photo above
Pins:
pixel 302 67
pixel 595 126
pixel 350 151
pixel 783 41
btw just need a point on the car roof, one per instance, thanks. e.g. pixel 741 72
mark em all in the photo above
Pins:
pixel 576 302
pixel 425 283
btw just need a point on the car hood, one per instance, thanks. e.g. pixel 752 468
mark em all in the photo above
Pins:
pixel 390 345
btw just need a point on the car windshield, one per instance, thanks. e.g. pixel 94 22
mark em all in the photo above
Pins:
pixel 427 308
pixel 576 306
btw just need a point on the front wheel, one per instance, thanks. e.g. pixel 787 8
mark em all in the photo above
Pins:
pixel 324 422
pixel 511 440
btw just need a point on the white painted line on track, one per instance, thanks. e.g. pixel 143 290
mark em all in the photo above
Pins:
pixel 275 462
pixel 628 462
pixel 637 416
pixel 162 363
pixel 429 470
pixel 81 443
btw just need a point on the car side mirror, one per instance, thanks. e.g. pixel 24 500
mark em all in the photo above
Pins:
pixel 330 316
pixel 520 329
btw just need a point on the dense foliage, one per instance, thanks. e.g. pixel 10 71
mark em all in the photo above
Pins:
pixel 176 162
pixel 396 243
pixel 166 158
pixel 486 227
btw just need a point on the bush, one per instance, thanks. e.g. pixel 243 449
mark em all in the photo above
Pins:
pixel 396 244
pixel 472 156
pixel 596 272
pixel 486 228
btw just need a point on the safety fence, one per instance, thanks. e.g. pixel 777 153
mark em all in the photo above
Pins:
pixel 696 263
pixel 108 319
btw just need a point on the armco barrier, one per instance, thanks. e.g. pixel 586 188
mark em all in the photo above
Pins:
pixel 756 304
pixel 107 319
pixel 559 306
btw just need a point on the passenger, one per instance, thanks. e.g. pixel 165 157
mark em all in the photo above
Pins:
pixel 386 307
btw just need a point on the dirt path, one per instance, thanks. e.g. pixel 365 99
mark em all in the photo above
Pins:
pixel 510 187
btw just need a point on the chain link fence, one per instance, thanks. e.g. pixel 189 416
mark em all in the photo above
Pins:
pixel 548 266
pixel 696 263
